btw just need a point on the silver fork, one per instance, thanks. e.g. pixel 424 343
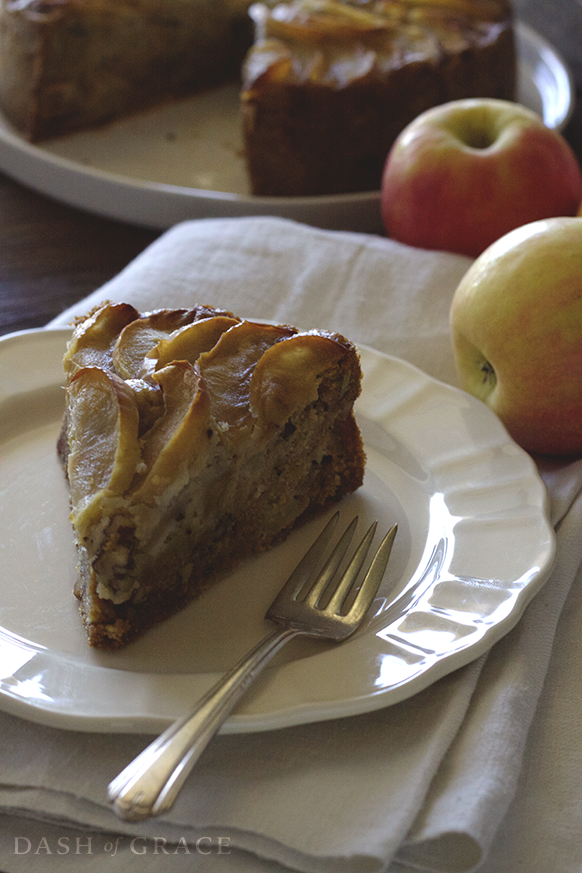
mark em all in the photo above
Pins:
pixel 149 785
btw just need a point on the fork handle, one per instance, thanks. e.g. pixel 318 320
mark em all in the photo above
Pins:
pixel 149 785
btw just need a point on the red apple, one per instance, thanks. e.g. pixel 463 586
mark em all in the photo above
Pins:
pixel 465 173
pixel 516 320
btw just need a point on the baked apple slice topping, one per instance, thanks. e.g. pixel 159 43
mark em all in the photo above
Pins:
pixel 487 10
pixel 316 20
pixel 187 343
pixel 227 370
pixel 287 377
pixel 180 434
pixel 269 60
pixel 105 452
pixel 94 338
pixel 140 336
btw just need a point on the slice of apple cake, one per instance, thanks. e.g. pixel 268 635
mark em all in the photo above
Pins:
pixel 192 439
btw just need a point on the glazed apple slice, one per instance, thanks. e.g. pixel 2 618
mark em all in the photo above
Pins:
pixel 105 451
pixel 143 334
pixel 187 343
pixel 150 402
pixel 314 20
pixel 93 340
pixel 268 61
pixel 180 435
pixel 227 370
pixel 140 337
pixel 488 10
pixel 288 375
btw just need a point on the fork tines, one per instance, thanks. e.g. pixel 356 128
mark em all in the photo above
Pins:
pixel 344 599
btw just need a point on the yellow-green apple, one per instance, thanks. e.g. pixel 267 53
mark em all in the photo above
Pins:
pixel 465 173
pixel 516 320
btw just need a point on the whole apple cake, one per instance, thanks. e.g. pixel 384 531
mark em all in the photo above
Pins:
pixel 191 440
pixel 329 84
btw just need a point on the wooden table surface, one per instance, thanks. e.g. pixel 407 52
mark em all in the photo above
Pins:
pixel 52 255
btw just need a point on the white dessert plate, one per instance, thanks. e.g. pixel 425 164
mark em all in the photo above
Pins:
pixel 474 546
pixel 184 160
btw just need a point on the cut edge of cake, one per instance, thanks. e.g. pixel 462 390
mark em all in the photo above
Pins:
pixel 69 65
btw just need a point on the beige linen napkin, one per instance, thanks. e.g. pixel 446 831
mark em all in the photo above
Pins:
pixel 424 784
